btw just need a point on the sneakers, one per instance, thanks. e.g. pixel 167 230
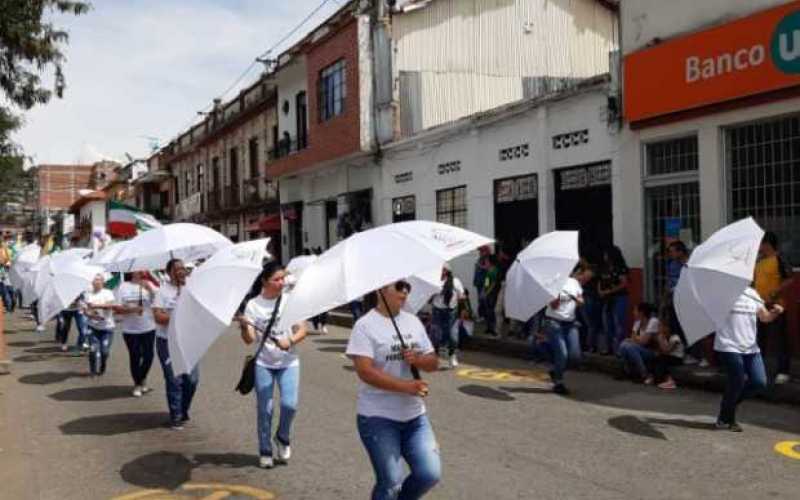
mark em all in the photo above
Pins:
pixel 325 330
pixel 145 389
pixel 704 363
pixel 137 392
pixel 283 452
pixel 690 360
pixel 668 385
pixel 176 426
pixel 782 378
pixel 648 381
pixel 723 426
pixel 265 462
pixel 39 328
pixel 64 348
pixel 453 361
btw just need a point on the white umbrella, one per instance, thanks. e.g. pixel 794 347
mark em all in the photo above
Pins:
pixel 716 274
pixel 66 283
pixel 22 265
pixel 423 286
pixel 49 264
pixel 297 265
pixel 374 258
pixel 539 273
pixel 209 300
pixel 107 255
pixel 154 248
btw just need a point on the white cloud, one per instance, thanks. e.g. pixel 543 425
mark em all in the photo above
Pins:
pixel 140 68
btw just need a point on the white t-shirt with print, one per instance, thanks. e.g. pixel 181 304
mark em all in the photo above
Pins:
pixel 101 298
pixel 166 297
pixel 259 311
pixel 374 337
pixel 458 292
pixel 130 294
pixel 567 305
pixel 740 332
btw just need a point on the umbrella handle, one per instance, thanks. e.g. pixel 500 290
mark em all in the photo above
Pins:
pixel 414 370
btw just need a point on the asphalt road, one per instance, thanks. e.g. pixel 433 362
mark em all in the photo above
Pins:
pixel 503 435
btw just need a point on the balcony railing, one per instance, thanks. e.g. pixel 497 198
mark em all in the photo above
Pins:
pixel 288 146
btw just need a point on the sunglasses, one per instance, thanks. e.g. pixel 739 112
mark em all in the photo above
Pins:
pixel 403 286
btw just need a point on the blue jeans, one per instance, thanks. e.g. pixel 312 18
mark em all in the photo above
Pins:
pixel 181 389
pixel 565 345
pixel 737 389
pixel 443 320
pixel 356 309
pixel 591 317
pixel 389 441
pixel 140 353
pixel 100 348
pixel 8 296
pixel 288 381
pixel 614 311
pixel 64 323
pixel 635 358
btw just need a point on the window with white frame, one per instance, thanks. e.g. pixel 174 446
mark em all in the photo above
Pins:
pixel 451 206
pixel 762 162
pixel 332 90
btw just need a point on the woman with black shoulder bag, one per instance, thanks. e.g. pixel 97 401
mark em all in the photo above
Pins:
pixel 276 364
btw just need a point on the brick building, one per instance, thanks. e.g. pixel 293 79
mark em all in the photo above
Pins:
pixel 58 185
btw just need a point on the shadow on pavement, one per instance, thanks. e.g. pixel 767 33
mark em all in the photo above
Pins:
pixel 526 390
pixel 114 424
pixel 35 358
pixel 22 344
pixel 46 378
pixel 44 350
pixel 646 426
pixel 349 368
pixel 339 349
pixel 331 341
pixel 170 470
pixel 100 393
pixel 485 392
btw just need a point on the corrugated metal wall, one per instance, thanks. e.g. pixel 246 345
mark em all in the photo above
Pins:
pixel 474 55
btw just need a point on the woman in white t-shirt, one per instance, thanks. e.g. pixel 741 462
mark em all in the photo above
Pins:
pixel 392 421
pixel 738 351
pixel 277 364
pixel 99 306
pixel 640 348
pixel 135 314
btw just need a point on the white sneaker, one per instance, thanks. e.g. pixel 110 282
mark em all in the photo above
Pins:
pixel 64 348
pixel 146 389
pixel 39 328
pixel 137 392
pixel 265 462
pixel 282 452
pixel 704 363
pixel 325 329
pixel 782 378
pixel 453 361
pixel 689 360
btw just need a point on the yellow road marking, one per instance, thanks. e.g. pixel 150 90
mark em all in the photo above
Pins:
pixel 789 448
pixel 217 491
pixel 500 375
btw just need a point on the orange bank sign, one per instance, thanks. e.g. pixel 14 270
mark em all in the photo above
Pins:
pixel 752 55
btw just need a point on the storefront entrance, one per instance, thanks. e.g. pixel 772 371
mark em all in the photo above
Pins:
pixel 516 212
pixel 583 203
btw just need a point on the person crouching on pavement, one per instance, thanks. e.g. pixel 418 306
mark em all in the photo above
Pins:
pixel 737 348
pixel 277 364
pixel 562 330
pixel 181 388
pixel 391 415
pixel 99 304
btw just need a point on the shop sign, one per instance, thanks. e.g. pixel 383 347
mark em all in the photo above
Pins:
pixel 749 56
pixel 585 177
pixel 516 189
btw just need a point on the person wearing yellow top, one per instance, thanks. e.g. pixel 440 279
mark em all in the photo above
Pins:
pixel 773 277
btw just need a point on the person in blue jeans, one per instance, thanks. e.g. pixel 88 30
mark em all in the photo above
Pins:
pixel 277 365
pixel 641 347
pixel 180 388
pixel 737 348
pixel 612 288
pixel 562 329
pixel 391 416
pixel 64 324
pixel 99 305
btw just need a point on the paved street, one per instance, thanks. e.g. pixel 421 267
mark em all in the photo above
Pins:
pixel 65 436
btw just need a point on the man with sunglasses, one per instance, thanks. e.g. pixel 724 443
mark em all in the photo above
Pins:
pixel 392 419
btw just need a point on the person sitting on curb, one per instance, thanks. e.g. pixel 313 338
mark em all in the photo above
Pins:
pixel 637 350
pixel 670 353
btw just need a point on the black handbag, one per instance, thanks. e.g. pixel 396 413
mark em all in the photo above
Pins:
pixel 248 379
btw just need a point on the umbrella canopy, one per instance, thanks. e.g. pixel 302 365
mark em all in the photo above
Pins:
pixel 539 273
pixel 209 300
pixel 22 265
pixel 297 265
pixel 106 256
pixel 423 286
pixel 371 259
pixel 49 264
pixel 716 274
pixel 154 248
pixel 64 285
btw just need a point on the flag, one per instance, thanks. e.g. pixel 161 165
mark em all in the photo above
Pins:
pixel 125 220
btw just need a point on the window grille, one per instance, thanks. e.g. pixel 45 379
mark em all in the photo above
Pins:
pixel 332 90
pixel 451 206
pixel 672 156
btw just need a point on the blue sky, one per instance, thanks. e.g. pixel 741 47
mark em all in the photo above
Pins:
pixel 145 67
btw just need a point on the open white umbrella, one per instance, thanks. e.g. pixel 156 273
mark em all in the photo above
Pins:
pixel 49 264
pixel 423 286
pixel 539 273
pixel 154 248
pixel 298 264
pixel 209 300
pixel 716 274
pixel 21 267
pixel 372 259
pixel 106 256
pixel 64 285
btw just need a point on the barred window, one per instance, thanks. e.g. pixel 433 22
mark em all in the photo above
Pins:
pixel 332 91
pixel 672 156
pixel 451 206
pixel 763 161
